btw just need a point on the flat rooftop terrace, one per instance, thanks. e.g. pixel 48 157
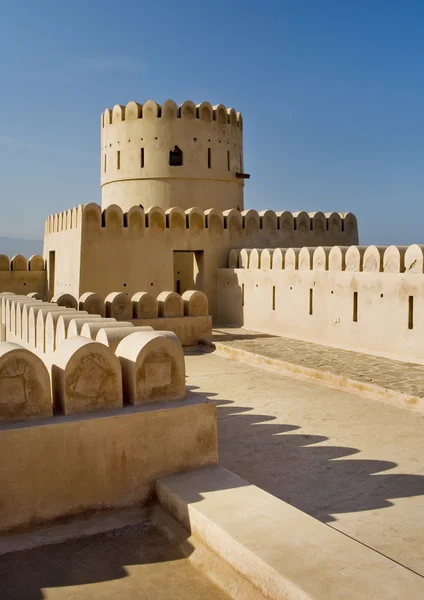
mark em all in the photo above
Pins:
pixel 356 464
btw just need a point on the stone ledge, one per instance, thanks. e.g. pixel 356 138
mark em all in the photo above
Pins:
pixel 284 552
pixel 67 466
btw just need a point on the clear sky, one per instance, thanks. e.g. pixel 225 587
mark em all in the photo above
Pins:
pixel 331 91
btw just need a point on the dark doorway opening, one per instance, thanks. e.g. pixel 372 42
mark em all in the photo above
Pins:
pixel 188 270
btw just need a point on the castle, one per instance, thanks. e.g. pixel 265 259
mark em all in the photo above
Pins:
pixel 98 325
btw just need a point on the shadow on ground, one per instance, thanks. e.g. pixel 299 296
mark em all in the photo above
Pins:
pixel 317 479
pixel 135 562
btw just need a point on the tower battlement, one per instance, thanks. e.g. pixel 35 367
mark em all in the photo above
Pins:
pixel 187 110
pixel 168 155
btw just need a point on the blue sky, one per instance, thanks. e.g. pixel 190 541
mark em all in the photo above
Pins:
pixel 331 91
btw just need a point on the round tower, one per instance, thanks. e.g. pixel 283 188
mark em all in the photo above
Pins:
pixel 172 156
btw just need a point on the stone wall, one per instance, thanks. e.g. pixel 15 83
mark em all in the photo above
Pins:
pixel 369 299
pixel 111 251
pixel 136 141
pixel 22 276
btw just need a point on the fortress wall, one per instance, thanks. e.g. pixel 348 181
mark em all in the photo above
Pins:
pixel 368 299
pixel 135 145
pixel 22 276
pixel 62 252
pixel 44 415
pixel 42 327
pixel 133 251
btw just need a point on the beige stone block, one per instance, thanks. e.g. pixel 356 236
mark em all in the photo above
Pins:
pixel 37 296
pixel 76 325
pixel 86 377
pixel 118 306
pixel 145 306
pixel 189 330
pixel 92 303
pixel 24 384
pixel 15 315
pixel 3 297
pixel 112 336
pixel 62 327
pixel 42 315
pixel 153 367
pixel 195 303
pixel 25 318
pixel 91 329
pixel 51 328
pixel 170 305
pixel 7 301
pixel 66 300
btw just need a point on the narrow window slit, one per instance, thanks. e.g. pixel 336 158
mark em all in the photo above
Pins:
pixel 311 301
pixel 411 312
pixel 355 307
pixel 273 297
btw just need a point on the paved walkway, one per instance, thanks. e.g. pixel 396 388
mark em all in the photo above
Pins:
pixel 400 377
pixel 351 462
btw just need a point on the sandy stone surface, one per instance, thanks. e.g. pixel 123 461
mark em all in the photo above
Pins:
pixel 404 377
pixel 353 463
pixel 132 563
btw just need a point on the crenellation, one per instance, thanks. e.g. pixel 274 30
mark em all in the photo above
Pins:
pixel 414 259
pixel 18 263
pixel 373 259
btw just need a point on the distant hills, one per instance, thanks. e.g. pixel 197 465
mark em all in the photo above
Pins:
pixel 12 246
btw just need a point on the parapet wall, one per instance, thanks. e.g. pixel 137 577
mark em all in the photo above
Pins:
pixel 108 251
pixel 43 327
pixel 369 299
pixel 136 165
pixel 296 226
pixel 22 276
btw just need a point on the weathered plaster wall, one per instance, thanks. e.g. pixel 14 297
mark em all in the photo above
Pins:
pixel 366 299
pixel 135 144
pixel 63 259
pixel 112 251
pixel 19 276
pixel 88 474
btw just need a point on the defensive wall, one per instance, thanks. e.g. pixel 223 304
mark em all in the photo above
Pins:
pixel 43 326
pixel 87 249
pixel 368 299
pixel 22 276
pixel 115 381
pixel 206 165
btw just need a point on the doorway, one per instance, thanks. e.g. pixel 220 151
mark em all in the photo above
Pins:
pixel 188 270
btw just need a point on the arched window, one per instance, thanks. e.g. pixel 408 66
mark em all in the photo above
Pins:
pixel 175 157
